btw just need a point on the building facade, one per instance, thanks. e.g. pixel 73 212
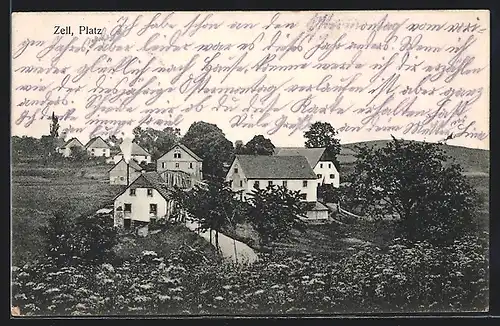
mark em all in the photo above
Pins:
pixel 97 147
pixel 181 158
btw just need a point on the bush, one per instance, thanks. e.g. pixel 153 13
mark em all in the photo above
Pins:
pixel 405 277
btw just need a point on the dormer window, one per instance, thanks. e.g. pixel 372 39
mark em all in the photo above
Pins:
pixel 235 170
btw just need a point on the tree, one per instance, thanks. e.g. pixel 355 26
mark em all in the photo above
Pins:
pixel 54 126
pixel 156 142
pixel 411 181
pixel 209 142
pixel 78 154
pixel 258 145
pixel 328 193
pixel 274 211
pixel 95 239
pixel 213 206
pixel 58 234
pixel 322 134
pixel 239 148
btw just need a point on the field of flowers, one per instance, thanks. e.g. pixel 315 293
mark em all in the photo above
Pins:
pixel 417 277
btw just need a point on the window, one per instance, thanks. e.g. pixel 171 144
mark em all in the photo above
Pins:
pixel 320 165
pixel 127 208
pixel 269 183
pixel 320 176
pixel 150 192
pixel 122 178
pixel 303 196
pixel 241 183
pixel 284 184
pixel 256 184
pixel 235 170
pixel 191 165
pixel 132 192
pixel 304 183
pixel 176 165
pixel 93 150
pixel 162 165
pixel 127 223
pixel 153 209
pixel 177 154
pixel 332 176
pixel 329 165
pixel 103 153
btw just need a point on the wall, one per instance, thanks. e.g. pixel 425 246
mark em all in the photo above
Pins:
pixel 99 151
pixel 118 175
pixel 325 171
pixel 168 162
pixel 317 215
pixel 140 204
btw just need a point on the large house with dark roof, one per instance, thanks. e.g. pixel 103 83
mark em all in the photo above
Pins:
pixel 137 153
pixel 65 149
pixel 181 158
pixel 147 198
pixel 293 172
pixel 324 168
pixel 98 147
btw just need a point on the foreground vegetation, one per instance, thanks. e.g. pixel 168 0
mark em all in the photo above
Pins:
pixel 403 277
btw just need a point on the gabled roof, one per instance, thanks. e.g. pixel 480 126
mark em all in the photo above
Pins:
pixel 275 167
pixel 137 150
pixel 187 150
pixel 313 155
pixel 150 180
pixel 73 140
pixel 132 163
pixel 97 142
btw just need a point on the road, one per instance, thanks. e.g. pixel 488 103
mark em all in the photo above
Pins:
pixel 243 253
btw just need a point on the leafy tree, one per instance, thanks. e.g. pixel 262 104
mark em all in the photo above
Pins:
pixel 156 142
pixel 258 145
pixel 94 239
pixel 274 211
pixel 58 234
pixel 78 154
pixel 213 206
pixel 210 143
pixel 239 147
pixel 322 134
pixel 411 181
pixel 328 193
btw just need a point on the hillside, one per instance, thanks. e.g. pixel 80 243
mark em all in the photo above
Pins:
pixel 472 160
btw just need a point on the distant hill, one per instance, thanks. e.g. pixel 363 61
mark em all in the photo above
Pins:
pixel 471 159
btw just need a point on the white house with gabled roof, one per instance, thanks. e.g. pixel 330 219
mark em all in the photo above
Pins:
pixel 97 147
pixel 181 158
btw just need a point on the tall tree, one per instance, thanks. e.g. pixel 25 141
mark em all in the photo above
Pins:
pixel 259 145
pixel 209 142
pixel 156 142
pixel 213 206
pixel 274 211
pixel 322 134
pixel 54 126
pixel 411 181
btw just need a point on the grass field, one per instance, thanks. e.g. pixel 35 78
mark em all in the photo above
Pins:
pixel 39 191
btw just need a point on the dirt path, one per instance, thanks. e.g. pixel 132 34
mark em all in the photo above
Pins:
pixel 241 254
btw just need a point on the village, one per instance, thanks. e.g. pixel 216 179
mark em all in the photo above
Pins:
pixel 147 184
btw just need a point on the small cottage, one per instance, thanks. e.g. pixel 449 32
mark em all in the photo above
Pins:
pixel 97 147
pixel 137 153
pixel 66 149
pixel 123 173
pixel 181 158
pixel 144 200
pixel 316 213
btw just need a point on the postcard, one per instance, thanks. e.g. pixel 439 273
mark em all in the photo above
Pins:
pixel 249 163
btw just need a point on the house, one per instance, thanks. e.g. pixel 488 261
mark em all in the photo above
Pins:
pixel 181 158
pixel 144 200
pixel 137 153
pixel 98 147
pixel 65 150
pixel 123 173
pixel 324 168
pixel 293 172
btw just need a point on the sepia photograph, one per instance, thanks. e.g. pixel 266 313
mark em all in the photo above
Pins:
pixel 249 163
